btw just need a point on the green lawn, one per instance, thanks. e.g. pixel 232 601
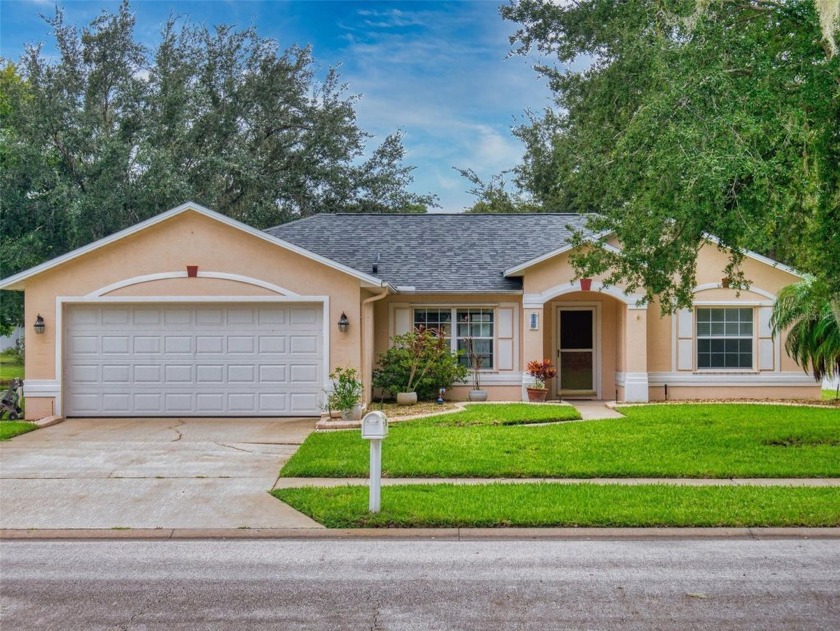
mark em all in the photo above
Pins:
pixel 829 395
pixel 695 441
pixel 10 367
pixel 542 505
pixel 10 429
pixel 501 414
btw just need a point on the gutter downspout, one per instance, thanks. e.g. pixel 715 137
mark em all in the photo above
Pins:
pixel 365 302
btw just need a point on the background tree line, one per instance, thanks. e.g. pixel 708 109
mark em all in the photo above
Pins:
pixel 112 133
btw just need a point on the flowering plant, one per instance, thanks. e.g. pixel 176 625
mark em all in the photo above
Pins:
pixel 541 371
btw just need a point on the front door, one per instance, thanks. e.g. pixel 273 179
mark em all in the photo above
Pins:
pixel 576 351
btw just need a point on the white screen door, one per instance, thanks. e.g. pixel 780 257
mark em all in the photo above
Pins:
pixel 576 352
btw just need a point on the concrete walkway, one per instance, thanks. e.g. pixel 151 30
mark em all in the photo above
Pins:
pixel 594 410
pixel 294 483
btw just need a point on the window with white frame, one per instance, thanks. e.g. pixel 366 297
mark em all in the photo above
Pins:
pixel 471 324
pixel 724 337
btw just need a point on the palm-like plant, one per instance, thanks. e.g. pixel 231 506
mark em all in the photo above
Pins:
pixel 814 336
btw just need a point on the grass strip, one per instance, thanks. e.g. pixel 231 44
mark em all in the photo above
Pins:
pixel 681 441
pixel 544 505
pixel 502 414
pixel 10 429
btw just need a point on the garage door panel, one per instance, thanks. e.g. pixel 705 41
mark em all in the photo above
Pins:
pixel 85 374
pixel 210 373
pixel 115 374
pixel 193 360
pixel 209 344
pixel 116 316
pixel 147 344
pixel 241 344
pixel 178 317
pixel 272 344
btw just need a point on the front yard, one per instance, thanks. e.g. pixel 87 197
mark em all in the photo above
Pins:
pixel 541 505
pixel 686 441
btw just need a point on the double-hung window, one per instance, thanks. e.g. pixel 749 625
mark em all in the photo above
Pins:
pixel 474 324
pixel 724 338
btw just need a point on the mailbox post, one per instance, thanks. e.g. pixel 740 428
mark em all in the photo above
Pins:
pixel 375 429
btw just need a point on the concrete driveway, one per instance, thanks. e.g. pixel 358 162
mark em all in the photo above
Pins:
pixel 150 473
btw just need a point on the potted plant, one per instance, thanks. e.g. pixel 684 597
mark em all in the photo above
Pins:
pixel 346 394
pixel 417 364
pixel 476 360
pixel 541 371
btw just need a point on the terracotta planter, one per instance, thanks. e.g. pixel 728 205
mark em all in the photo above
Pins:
pixel 585 284
pixel 406 398
pixel 537 395
pixel 477 395
pixel 192 271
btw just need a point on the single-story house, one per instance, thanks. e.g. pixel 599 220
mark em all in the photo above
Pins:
pixel 192 313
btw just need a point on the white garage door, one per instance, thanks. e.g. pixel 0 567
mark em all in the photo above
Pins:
pixel 193 360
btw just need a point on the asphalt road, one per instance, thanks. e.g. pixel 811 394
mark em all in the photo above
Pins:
pixel 424 585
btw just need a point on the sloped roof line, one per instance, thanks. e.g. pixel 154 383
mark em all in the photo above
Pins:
pixel 14 281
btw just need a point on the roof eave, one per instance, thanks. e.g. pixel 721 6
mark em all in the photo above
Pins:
pixel 757 257
pixel 17 281
pixel 593 239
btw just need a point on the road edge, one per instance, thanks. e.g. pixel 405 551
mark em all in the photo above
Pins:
pixel 427 534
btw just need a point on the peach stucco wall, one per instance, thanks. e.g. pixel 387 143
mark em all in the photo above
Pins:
pixel 189 238
pixel 644 340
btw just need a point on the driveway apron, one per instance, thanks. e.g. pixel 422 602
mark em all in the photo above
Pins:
pixel 150 473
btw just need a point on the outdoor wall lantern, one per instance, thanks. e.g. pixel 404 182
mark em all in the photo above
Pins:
pixel 39 324
pixel 343 323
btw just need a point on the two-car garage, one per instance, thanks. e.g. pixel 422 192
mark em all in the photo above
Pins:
pixel 193 359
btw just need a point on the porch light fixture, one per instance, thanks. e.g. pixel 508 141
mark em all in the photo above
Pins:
pixel 343 323
pixel 39 325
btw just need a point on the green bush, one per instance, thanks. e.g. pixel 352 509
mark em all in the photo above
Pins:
pixel 421 362
pixel 347 389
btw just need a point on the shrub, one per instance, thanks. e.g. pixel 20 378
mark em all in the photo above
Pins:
pixel 347 389
pixel 419 362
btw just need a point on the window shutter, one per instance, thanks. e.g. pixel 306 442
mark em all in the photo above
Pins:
pixel 504 338
pixel 766 343
pixel 402 320
pixel 685 340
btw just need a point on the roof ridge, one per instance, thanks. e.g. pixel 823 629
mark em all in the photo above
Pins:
pixel 423 215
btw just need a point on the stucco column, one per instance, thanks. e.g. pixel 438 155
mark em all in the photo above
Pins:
pixel 532 344
pixel 635 355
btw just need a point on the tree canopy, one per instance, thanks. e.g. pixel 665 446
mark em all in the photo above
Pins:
pixel 111 133
pixel 675 119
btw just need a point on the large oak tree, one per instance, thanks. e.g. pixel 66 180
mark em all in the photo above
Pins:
pixel 675 119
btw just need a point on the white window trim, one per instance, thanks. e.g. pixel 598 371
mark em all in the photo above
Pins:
pixel 453 338
pixel 727 305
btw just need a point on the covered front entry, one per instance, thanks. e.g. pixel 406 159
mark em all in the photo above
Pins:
pixel 597 339
pixel 186 359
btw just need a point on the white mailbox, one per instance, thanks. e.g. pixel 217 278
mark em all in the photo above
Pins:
pixel 374 426
pixel 374 429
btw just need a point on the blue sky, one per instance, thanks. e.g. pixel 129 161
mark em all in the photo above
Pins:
pixel 436 70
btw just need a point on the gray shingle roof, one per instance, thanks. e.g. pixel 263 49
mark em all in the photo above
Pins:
pixel 434 252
